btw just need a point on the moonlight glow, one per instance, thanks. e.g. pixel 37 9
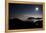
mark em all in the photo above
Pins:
pixel 36 8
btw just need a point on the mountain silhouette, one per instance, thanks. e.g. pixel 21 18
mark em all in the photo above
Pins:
pixel 19 24
pixel 30 18
pixel 33 18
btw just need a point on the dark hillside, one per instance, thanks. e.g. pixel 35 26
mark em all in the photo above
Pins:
pixel 19 24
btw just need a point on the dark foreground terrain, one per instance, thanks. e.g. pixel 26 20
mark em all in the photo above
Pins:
pixel 19 24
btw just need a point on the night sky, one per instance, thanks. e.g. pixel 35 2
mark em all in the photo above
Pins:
pixel 23 11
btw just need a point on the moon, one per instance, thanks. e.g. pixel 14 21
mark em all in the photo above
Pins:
pixel 36 8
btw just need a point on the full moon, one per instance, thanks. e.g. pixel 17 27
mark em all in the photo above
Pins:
pixel 36 8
